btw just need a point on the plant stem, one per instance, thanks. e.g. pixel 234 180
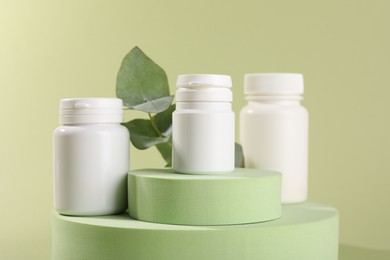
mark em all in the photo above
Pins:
pixel 154 125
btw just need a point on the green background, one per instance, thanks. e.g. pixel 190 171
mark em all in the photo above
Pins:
pixel 55 49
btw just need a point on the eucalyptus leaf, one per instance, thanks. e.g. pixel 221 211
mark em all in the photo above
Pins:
pixel 142 84
pixel 163 121
pixel 238 156
pixel 154 106
pixel 165 150
pixel 143 135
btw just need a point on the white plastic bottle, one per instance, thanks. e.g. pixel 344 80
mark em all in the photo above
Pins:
pixel 203 125
pixel 274 130
pixel 91 157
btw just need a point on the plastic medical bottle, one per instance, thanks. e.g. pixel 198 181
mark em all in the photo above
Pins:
pixel 91 157
pixel 274 130
pixel 203 125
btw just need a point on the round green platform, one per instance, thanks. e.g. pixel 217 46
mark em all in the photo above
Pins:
pixel 238 197
pixel 305 231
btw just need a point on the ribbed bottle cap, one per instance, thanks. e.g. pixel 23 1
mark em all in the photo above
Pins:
pixel 91 110
pixel 204 87
pixel 273 83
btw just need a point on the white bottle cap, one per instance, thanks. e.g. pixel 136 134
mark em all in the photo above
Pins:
pixel 273 83
pixel 91 110
pixel 204 87
pixel 204 80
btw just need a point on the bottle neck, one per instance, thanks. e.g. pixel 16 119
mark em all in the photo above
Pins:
pixel 290 99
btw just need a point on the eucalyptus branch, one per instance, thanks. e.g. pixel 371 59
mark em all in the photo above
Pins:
pixel 143 86
pixel 153 122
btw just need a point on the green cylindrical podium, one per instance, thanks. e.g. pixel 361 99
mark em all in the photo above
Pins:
pixel 305 231
pixel 238 197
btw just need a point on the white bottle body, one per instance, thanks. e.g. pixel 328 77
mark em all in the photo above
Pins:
pixel 91 165
pixel 203 137
pixel 274 136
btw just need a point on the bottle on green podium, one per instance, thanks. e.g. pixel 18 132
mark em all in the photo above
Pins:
pixel 203 125
pixel 91 157
pixel 274 130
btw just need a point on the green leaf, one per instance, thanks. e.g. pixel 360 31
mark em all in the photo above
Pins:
pixel 142 84
pixel 143 135
pixel 165 150
pixel 239 156
pixel 163 121
pixel 154 106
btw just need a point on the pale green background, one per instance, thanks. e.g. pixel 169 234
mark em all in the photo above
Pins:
pixel 55 49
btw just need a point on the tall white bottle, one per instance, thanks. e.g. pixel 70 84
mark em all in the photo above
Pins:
pixel 274 130
pixel 203 125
